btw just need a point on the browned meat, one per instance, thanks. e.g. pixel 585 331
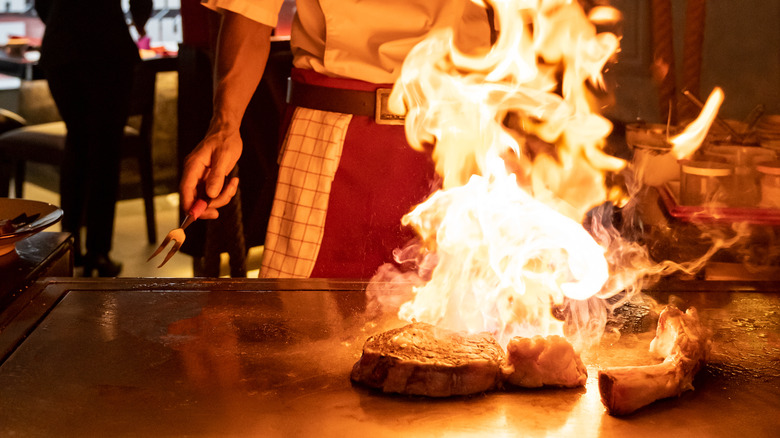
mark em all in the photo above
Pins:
pixel 421 359
pixel 536 362
pixel 684 343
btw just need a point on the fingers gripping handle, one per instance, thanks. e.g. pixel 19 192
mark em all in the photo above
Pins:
pixel 198 207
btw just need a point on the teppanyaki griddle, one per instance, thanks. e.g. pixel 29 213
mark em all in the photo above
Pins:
pixel 163 357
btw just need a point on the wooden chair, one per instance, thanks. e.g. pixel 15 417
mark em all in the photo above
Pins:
pixel 42 138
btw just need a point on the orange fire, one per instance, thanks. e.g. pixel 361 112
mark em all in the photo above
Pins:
pixel 520 152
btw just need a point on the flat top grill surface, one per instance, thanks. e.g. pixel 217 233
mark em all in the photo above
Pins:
pixel 269 358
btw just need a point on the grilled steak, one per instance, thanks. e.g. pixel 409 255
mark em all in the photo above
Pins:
pixel 421 359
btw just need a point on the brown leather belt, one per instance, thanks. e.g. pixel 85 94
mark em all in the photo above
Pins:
pixel 339 100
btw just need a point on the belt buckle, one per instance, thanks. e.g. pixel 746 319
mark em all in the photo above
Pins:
pixel 382 114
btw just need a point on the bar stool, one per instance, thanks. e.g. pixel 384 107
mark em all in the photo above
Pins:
pixel 42 139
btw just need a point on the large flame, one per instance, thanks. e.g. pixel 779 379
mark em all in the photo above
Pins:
pixel 520 152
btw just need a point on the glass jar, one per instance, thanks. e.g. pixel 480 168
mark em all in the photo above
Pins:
pixel 770 184
pixel 705 183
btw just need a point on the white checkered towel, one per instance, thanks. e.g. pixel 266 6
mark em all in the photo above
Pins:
pixel 310 157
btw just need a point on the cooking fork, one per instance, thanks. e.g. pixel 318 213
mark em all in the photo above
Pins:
pixel 177 234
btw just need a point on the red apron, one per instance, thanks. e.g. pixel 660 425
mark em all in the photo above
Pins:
pixel 379 179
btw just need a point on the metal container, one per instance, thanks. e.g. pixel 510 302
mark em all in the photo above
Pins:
pixel 652 160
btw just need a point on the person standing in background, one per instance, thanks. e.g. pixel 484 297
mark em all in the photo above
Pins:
pixel 88 58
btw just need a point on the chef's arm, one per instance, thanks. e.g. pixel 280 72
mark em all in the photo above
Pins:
pixel 242 51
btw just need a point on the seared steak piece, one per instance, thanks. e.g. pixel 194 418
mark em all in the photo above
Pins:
pixel 684 343
pixel 422 359
pixel 536 362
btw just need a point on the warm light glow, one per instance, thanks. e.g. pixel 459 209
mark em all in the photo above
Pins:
pixel 503 258
pixel 520 152
pixel 685 143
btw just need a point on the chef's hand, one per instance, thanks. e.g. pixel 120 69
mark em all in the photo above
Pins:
pixel 242 50
pixel 210 163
